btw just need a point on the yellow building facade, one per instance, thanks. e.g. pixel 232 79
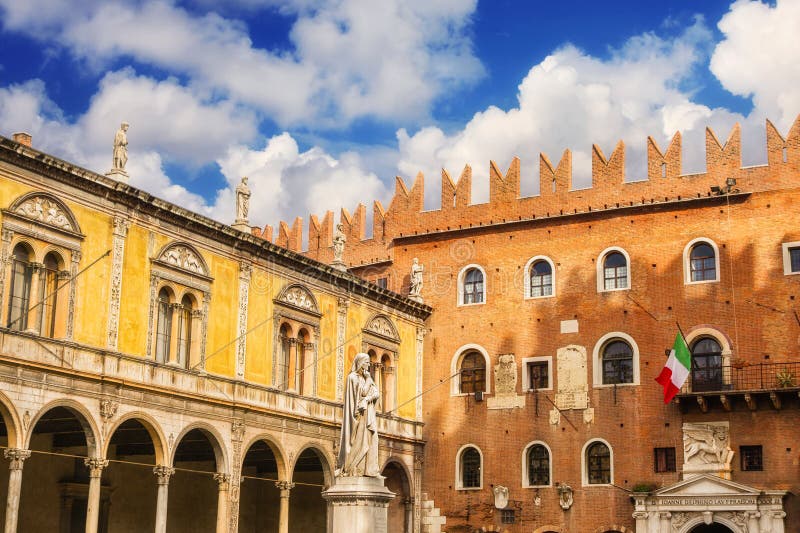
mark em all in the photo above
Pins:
pixel 162 370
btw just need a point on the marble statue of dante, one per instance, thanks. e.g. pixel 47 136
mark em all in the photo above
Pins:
pixel 242 200
pixel 358 447
pixel 339 239
pixel 121 148
pixel 416 278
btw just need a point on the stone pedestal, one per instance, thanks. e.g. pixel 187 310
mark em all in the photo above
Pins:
pixel 118 174
pixel 339 265
pixel 358 505
pixel 242 225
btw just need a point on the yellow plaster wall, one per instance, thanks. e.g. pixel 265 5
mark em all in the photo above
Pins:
pixel 406 369
pixel 222 316
pixel 135 298
pixel 326 347
pixel 264 286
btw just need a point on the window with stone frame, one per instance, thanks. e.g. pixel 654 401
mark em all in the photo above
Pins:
pixel 752 458
pixel 541 279
pixel 470 462
pixel 297 322
pixel 507 516
pixel 473 289
pixel 472 373
pixel 615 271
pixel 794 258
pixel 598 464
pixel 180 289
pixel 538 465
pixel 617 362
pixel 664 460
pixel 381 340
pixel 702 262
pixel 538 375
pixel 39 257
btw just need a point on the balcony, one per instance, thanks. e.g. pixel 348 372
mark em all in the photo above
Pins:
pixel 753 385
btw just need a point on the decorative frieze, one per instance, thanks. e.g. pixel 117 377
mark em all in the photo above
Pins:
pixel 241 324
pixel 341 335
pixel 119 234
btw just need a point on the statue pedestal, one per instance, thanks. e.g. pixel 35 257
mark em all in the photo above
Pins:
pixel 117 174
pixel 242 225
pixel 358 505
pixel 339 265
pixel 416 298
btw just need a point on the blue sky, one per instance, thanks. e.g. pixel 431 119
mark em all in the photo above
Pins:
pixel 321 104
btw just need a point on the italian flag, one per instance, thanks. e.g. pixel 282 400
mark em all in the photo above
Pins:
pixel 676 370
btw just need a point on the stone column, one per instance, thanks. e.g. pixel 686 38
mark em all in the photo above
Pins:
pixel 16 457
pixel 408 504
pixel 95 466
pixel 223 484
pixel 665 525
pixel 35 311
pixel 641 521
pixel 163 474
pixel 283 519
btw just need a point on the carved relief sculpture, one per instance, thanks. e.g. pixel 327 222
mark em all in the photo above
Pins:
pixel 706 448
pixel 43 209
pixel 505 384
pixel 500 496
pixel 185 258
pixel 573 384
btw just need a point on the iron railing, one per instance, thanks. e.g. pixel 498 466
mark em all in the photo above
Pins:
pixel 758 376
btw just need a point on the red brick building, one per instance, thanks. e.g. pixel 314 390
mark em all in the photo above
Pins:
pixel 551 319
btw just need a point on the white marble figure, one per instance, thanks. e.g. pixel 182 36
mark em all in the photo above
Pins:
pixel 242 200
pixel 339 239
pixel 358 446
pixel 416 278
pixel 121 148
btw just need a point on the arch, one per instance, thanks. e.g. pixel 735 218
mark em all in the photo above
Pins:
pixel 11 419
pixel 459 480
pixel 613 528
pixel 585 465
pixel 325 460
pixel 277 451
pixel 299 296
pixel 462 274
pixel 597 363
pixel 527 277
pixel 716 519
pixel 687 265
pixel 455 365
pixel 84 417
pixel 698 332
pixel 183 256
pixel 601 287
pixel 400 513
pixel 525 476
pixel 214 438
pixel 383 326
pixel 152 427
pixel 47 209
pixel 548 529
pixel 393 460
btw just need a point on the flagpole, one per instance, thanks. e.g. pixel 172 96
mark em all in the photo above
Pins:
pixel 680 330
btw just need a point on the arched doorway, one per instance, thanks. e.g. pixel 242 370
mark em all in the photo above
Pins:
pixel 399 519
pixel 193 492
pixel 307 508
pixel 133 454
pixel 55 483
pixel 259 498
pixel 710 528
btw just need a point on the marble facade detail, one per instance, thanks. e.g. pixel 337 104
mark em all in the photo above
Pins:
pixel 505 385
pixel 573 385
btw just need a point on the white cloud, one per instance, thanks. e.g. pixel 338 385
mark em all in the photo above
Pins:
pixel 349 59
pixel 757 57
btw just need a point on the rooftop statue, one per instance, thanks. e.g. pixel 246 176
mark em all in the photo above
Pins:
pixel 120 148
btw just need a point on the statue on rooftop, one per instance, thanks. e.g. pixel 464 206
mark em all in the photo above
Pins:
pixel 242 201
pixel 120 148
pixel 416 279
pixel 339 239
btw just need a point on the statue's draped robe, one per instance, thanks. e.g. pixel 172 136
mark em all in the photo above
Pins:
pixel 358 449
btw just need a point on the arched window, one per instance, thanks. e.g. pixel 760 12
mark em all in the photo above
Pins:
pixel 538 465
pixel 617 360
pixel 285 338
pixel 598 464
pixel 706 365
pixel 472 373
pixel 702 262
pixel 49 294
pixel 185 331
pixel 541 277
pixel 615 271
pixel 470 468
pixel 473 287
pixel 163 326
pixel 21 277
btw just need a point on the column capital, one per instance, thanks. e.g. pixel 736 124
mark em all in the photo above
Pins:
pixel 95 465
pixel 284 486
pixel 223 480
pixel 163 473
pixel 17 456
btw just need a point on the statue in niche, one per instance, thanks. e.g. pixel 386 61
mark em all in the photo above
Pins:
pixel 416 278
pixel 120 148
pixel 242 200
pixel 339 239
pixel 358 444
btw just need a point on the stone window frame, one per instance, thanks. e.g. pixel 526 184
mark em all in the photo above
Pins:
pixel 787 260
pixel 600 271
pixel 56 231
pixel 698 332
pixel 527 277
pixel 462 274
pixel 297 308
pixel 455 365
pixel 585 463
pixel 380 336
pixel 597 362
pixel 180 281
pixel 459 467
pixel 525 474
pixel 687 266
pixel 537 359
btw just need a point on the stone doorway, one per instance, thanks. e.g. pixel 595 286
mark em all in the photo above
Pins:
pixel 710 528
